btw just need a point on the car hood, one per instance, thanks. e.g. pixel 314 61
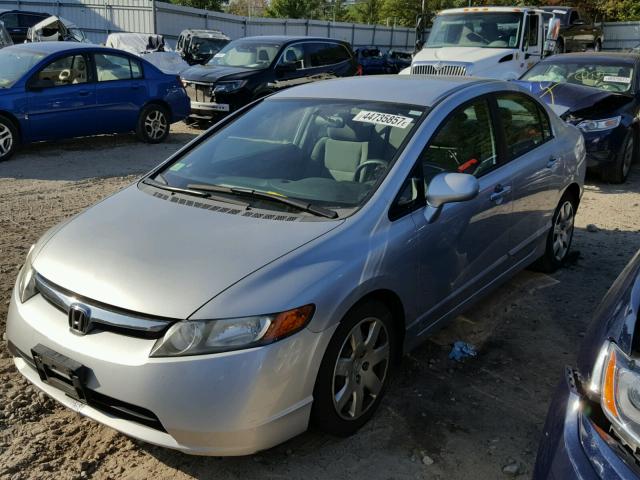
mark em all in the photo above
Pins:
pixel 211 73
pixel 147 254
pixel 576 100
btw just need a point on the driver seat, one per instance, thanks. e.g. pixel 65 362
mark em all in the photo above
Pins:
pixel 343 150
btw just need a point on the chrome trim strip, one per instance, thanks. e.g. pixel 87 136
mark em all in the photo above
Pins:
pixel 99 314
pixel 215 107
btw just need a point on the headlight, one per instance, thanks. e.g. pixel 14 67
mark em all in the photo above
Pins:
pixel 27 279
pixel 226 87
pixel 619 388
pixel 197 337
pixel 599 125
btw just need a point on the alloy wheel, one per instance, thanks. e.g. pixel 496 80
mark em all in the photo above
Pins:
pixel 627 157
pixel 563 230
pixel 155 124
pixel 6 140
pixel 361 368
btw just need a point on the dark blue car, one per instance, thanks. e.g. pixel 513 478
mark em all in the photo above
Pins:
pixel 54 90
pixel 600 93
pixel 592 429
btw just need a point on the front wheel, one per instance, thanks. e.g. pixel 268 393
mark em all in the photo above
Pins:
pixel 153 124
pixel 560 236
pixel 618 170
pixel 355 370
pixel 8 138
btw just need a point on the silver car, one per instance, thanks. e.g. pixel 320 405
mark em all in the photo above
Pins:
pixel 272 272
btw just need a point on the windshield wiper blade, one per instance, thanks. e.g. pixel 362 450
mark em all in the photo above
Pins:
pixel 292 202
pixel 195 192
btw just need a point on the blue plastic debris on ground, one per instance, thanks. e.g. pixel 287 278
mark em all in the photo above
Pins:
pixel 462 350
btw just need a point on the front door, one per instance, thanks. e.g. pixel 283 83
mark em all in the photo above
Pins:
pixel 533 41
pixel 62 101
pixel 465 248
pixel 121 91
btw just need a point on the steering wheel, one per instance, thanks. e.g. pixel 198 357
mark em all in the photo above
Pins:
pixel 367 164
pixel 64 75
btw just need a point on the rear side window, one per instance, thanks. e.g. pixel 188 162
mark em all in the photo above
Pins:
pixel 326 53
pixel 116 67
pixel 522 122
pixel 27 20
pixel 10 20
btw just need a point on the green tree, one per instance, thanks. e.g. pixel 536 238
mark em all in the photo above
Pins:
pixel 367 11
pixel 214 5
pixel 247 8
pixel 295 9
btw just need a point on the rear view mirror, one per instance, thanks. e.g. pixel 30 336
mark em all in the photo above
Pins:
pixel 448 188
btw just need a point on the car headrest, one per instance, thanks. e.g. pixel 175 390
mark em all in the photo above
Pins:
pixel 352 132
pixel 263 56
pixel 290 56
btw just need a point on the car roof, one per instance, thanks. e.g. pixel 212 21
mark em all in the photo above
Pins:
pixel 289 38
pixel 418 90
pixel 53 47
pixel 551 8
pixel 487 9
pixel 604 57
pixel 30 12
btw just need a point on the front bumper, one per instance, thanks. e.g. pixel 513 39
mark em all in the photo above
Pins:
pixel 602 147
pixel 232 403
pixel 571 445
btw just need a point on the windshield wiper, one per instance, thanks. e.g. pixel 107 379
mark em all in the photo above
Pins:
pixel 189 191
pixel 292 202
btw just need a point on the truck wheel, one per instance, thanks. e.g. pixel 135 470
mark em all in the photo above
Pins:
pixel 153 124
pixel 619 169
pixel 8 138
pixel 559 48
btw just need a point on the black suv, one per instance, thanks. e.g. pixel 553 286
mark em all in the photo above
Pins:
pixel 198 46
pixel 252 67
pixel 17 22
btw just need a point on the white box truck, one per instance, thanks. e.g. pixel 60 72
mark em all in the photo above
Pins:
pixel 494 42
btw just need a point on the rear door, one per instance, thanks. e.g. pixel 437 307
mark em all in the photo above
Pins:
pixel 332 58
pixel 121 91
pixel 536 167
pixel 65 104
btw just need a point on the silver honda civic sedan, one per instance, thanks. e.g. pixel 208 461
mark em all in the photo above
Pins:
pixel 271 273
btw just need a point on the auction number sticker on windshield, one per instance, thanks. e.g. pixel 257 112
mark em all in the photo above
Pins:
pixel 614 79
pixel 380 118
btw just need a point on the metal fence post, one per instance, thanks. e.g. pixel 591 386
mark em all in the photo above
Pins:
pixel 373 37
pixel 353 34
pixel 154 20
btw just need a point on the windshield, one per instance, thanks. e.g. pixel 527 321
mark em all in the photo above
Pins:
pixel 207 46
pixel 240 53
pixel 14 63
pixel 486 30
pixel 609 77
pixel 331 153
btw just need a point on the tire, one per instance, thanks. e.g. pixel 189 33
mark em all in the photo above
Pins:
pixel 153 124
pixel 618 170
pixel 560 237
pixel 347 369
pixel 8 138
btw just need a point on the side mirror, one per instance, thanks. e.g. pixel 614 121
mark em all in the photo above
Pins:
pixel 448 188
pixel 553 32
pixel 39 84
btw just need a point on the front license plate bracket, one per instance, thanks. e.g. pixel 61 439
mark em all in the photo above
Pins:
pixel 61 372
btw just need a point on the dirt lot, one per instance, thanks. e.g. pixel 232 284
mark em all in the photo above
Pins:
pixel 439 420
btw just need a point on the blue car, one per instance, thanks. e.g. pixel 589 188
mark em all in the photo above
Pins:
pixel 54 90
pixel 592 430
pixel 600 94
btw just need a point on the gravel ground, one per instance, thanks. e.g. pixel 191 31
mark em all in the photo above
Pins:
pixel 440 419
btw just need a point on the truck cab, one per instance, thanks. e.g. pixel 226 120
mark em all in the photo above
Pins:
pixel 493 42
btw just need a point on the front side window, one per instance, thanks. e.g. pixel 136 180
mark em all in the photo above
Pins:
pixel 465 143
pixel 610 76
pixel 331 153
pixel 116 67
pixel 27 20
pixel 521 122
pixel 255 55
pixel 294 56
pixel 485 30
pixel 69 70
pixel 14 63
pixel 532 31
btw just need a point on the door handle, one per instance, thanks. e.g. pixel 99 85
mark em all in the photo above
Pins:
pixel 552 162
pixel 499 192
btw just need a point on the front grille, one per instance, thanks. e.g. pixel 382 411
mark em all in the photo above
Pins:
pixel 104 403
pixel 198 92
pixel 439 69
